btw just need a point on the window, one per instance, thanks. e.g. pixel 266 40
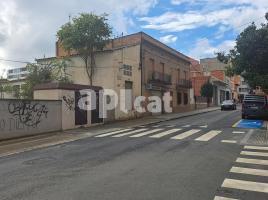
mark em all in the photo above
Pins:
pixel 127 70
pixel 152 64
pixel 185 75
pixel 185 98
pixel 178 98
pixel 179 74
pixel 162 65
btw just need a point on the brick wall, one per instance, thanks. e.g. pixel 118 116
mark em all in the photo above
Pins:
pixel 198 82
pixel 219 74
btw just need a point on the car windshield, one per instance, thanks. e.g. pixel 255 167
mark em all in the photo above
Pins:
pixel 228 101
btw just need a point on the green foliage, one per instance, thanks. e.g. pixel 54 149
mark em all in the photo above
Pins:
pixel 52 71
pixel 207 90
pixel 249 57
pixel 85 34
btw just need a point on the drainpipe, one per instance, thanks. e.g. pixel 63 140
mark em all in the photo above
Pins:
pixel 141 65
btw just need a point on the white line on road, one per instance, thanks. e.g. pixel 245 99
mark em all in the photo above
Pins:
pixel 186 126
pixel 229 141
pixel 250 153
pixel 146 133
pixel 131 132
pixel 239 132
pixel 252 161
pixel 256 147
pixel 112 133
pixel 171 126
pixel 185 134
pixel 208 136
pixel 245 185
pixel 159 135
pixel 204 126
pixel 223 198
pixel 250 171
pixel 156 126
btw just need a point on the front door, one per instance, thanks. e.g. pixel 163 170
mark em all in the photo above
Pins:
pixel 80 114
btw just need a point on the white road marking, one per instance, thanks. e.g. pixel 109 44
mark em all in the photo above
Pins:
pixel 223 198
pixel 112 133
pixel 159 135
pixel 229 141
pixel 185 134
pixel 171 126
pixel 252 161
pixel 208 136
pixel 186 126
pixel 239 132
pixel 131 132
pixel 250 153
pixel 156 126
pixel 146 133
pixel 250 171
pixel 204 126
pixel 256 147
pixel 245 185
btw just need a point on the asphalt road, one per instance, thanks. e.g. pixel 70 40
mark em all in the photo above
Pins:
pixel 186 159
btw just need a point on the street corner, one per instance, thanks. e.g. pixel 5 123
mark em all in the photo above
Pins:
pixel 251 124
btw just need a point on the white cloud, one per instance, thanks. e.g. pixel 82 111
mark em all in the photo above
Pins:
pixel 211 13
pixel 28 28
pixel 175 22
pixel 168 39
pixel 203 48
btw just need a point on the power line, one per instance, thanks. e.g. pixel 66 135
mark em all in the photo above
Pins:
pixel 15 61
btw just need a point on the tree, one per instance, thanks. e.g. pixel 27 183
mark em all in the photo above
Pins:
pixel 85 35
pixel 207 91
pixel 51 71
pixel 249 56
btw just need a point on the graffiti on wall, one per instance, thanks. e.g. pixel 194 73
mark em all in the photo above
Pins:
pixel 69 102
pixel 27 112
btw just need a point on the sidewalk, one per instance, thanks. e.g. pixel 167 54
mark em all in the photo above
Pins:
pixel 10 147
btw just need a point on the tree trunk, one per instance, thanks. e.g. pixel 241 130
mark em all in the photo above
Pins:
pixel 86 64
pixel 92 64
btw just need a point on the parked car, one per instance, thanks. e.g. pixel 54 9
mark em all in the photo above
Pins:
pixel 255 106
pixel 228 105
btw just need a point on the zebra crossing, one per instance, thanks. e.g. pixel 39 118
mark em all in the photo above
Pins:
pixel 252 162
pixel 158 131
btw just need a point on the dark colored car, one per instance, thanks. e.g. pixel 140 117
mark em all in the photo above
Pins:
pixel 228 105
pixel 255 106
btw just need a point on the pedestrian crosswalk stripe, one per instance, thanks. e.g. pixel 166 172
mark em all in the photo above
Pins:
pixel 186 126
pixel 229 141
pixel 238 131
pixel 146 133
pixel 250 153
pixel 113 133
pixel 131 132
pixel 162 134
pixel 204 126
pixel 245 185
pixel 252 161
pixel 223 198
pixel 170 126
pixel 256 147
pixel 186 134
pixel 156 126
pixel 250 171
pixel 208 136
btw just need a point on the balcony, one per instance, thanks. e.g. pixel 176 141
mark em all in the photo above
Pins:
pixel 158 77
pixel 183 83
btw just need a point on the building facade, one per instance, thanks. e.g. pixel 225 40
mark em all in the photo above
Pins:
pixel 137 62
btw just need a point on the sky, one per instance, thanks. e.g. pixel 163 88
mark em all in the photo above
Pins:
pixel 197 28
